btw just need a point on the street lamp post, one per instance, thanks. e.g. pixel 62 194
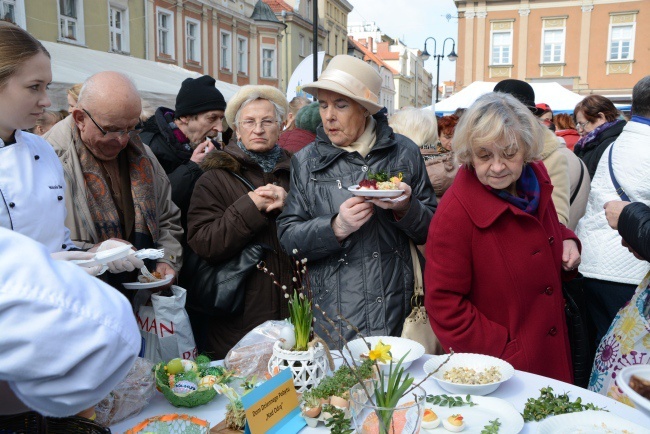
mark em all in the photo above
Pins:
pixel 452 57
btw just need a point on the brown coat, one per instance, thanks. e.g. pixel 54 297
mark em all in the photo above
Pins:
pixel 221 220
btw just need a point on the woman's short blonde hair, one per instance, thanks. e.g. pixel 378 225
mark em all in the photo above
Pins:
pixel 419 125
pixel 498 118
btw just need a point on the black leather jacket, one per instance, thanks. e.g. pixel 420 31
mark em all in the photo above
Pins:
pixel 368 278
pixel 634 227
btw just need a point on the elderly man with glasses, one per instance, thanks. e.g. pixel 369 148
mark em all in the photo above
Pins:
pixel 118 188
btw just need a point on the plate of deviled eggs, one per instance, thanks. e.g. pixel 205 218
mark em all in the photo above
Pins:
pixel 438 419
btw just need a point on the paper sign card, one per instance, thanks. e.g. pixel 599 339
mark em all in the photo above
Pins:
pixel 273 407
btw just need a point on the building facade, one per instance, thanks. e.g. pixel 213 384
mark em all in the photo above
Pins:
pixel 116 26
pixel 361 49
pixel 588 46
pixel 235 41
pixel 298 40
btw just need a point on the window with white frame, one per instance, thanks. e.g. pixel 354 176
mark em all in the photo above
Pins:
pixel 621 42
pixel 501 47
pixel 268 62
pixel 242 55
pixel 226 50
pixel 553 46
pixel 311 46
pixel 309 10
pixel 8 10
pixel 118 29
pixel 71 23
pixel 301 44
pixel 165 22
pixel 192 40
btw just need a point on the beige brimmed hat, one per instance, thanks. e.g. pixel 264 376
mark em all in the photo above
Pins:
pixel 260 91
pixel 350 77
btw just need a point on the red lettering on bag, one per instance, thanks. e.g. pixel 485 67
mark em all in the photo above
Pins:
pixel 164 327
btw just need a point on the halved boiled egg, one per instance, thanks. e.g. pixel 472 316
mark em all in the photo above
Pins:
pixel 454 423
pixel 430 419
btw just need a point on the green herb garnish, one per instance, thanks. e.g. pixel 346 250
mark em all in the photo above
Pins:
pixel 549 404
pixel 492 427
pixel 380 176
pixel 450 401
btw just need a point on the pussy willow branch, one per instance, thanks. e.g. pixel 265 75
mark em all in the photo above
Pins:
pixel 451 353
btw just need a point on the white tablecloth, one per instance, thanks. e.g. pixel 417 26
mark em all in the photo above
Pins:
pixel 517 390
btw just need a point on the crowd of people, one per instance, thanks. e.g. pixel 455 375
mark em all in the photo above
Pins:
pixel 506 200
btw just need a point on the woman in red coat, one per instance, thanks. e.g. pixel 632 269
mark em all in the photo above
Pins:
pixel 496 253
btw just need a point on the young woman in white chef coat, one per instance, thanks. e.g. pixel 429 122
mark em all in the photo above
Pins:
pixel 32 183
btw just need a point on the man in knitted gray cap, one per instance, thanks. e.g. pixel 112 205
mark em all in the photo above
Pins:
pixel 181 138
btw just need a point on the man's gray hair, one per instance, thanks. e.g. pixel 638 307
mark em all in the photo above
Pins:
pixel 641 97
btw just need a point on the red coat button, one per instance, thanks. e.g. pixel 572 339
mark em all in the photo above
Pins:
pixel 548 291
pixel 552 331
pixel 551 240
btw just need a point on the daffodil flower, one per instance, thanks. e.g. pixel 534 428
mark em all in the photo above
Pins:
pixel 381 353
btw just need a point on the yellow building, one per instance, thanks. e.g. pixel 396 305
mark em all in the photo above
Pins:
pixel 116 26
pixel 588 46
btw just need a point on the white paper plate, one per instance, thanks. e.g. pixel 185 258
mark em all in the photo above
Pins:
pixel 478 362
pixel 623 382
pixel 398 348
pixel 354 189
pixel 589 421
pixel 476 417
pixel 106 256
pixel 137 285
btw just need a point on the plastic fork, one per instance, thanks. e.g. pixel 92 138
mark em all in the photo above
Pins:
pixel 145 272
pixel 150 253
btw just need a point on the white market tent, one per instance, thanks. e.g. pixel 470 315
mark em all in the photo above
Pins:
pixel 158 83
pixel 559 98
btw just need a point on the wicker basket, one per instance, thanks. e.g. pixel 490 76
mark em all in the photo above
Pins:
pixel 192 399
pixel 308 367
pixel 32 422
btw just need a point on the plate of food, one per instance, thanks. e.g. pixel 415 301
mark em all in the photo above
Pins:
pixel 379 184
pixel 634 381
pixel 476 414
pixel 398 348
pixel 589 421
pixel 147 283
pixel 468 373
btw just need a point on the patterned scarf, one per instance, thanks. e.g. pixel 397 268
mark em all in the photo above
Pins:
pixel 593 135
pixel 100 201
pixel 266 160
pixel 528 192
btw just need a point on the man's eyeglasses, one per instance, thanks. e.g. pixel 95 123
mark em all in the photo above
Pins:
pixel 117 134
pixel 582 125
pixel 250 124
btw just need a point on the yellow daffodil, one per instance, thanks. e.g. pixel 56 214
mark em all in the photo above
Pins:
pixel 381 353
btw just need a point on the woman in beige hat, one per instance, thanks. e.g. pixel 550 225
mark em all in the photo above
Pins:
pixel 225 215
pixel 358 248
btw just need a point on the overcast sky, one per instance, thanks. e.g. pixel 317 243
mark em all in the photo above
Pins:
pixel 413 21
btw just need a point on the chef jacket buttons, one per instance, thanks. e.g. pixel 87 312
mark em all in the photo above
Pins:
pixel 63 246
pixel 552 331
pixel 11 204
pixel 36 157
pixel 549 291
pixel 551 240
pixel 59 197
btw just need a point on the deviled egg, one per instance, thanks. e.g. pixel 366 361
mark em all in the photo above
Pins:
pixel 454 423
pixel 430 419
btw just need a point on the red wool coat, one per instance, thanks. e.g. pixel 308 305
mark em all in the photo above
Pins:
pixel 493 277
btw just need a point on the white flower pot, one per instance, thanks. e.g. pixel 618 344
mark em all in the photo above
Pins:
pixel 308 367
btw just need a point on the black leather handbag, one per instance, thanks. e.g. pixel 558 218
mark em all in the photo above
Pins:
pixel 216 290
pixel 576 319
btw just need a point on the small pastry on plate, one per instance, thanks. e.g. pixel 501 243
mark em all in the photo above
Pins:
pixel 430 419
pixel 454 423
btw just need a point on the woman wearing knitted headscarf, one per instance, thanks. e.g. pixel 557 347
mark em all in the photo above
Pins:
pixel 224 215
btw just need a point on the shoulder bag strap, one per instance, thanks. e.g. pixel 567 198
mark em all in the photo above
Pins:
pixel 246 182
pixel 577 190
pixel 619 190
pixel 417 273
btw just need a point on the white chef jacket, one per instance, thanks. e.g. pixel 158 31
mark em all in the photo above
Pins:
pixel 32 191
pixel 66 338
